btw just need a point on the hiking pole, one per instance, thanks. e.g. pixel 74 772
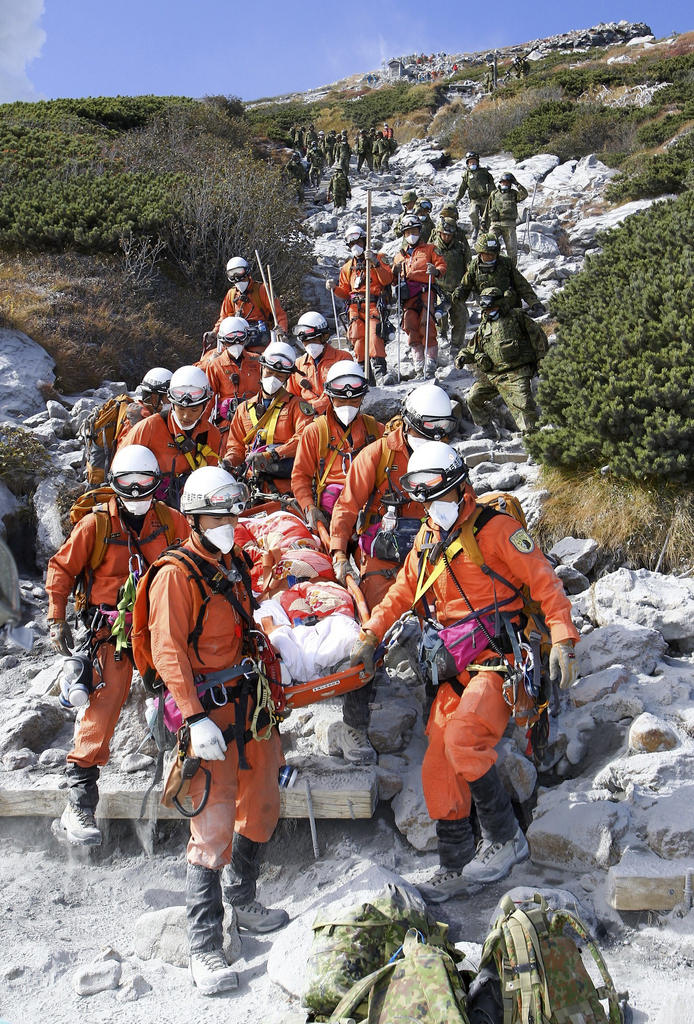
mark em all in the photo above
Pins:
pixel 527 220
pixel 367 307
pixel 397 329
pixel 272 296
pixel 262 272
pixel 337 322
pixel 426 329
pixel 311 819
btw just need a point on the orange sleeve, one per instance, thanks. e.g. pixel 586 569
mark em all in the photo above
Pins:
pixel 67 563
pixel 400 597
pixel 305 464
pixel 170 614
pixel 236 449
pixel 343 289
pixel 361 477
pixel 533 569
pixel 226 310
pixel 299 421
pixel 383 272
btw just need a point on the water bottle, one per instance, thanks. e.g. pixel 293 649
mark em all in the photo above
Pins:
pixel 390 519
pixel 76 682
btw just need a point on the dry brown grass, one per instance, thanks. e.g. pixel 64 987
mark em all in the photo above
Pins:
pixel 96 323
pixel 633 521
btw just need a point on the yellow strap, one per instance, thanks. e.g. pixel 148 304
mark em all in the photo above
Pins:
pixel 203 453
pixel 422 585
pixel 323 481
pixel 268 419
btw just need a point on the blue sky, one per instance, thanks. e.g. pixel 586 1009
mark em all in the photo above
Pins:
pixel 52 48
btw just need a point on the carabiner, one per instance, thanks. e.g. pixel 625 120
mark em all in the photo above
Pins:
pixel 219 703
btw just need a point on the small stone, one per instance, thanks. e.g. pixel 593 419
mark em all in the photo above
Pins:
pixel 388 725
pixel 615 707
pixel 16 759
pixel 136 763
pixel 592 688
pixel 389 784
pixel 53 757
pixel 9 661
pixel 579 554
pixel 649 733
pixel 574 581
pixel 12 973
pixel 161 934
pixel 133 989
pixel 56 411
pixel 108 953
pixel 97 977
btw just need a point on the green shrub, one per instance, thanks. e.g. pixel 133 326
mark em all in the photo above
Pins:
pixel 618 388
pixel 655 133
pixel 648 176
pixel 384 104
pixel 20 453
pixel 486 129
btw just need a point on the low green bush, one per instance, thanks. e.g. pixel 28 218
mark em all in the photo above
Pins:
pixel 647 176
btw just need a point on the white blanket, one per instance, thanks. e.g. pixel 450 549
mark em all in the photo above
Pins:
pixel 310 652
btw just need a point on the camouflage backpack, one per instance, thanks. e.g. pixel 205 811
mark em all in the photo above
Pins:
pixel 532 969
pixel 362 939
pixel 422 985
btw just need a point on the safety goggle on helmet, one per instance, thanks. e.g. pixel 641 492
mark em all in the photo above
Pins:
pixel 346 387
pixel 135 484
pixel 310 327
pixel 281 362
pixel 231 498
pixel 426 484
pixel 189 394
pixel 434 427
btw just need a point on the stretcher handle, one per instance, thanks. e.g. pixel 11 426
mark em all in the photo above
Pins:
pixel 354 591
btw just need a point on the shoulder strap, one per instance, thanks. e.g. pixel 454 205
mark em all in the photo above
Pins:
pixel 371 426
pixel 103 532
pixel 358 993
pixel 166 519
pixel 424 584
pixel 324 469
pixel 120 420
pixel 385 461
pixel 274 410
pixel 472 525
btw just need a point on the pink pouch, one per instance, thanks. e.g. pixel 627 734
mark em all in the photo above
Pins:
pixel 467 639
pixel 366 539
pixel 329 496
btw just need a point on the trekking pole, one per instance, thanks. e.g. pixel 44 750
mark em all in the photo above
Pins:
pixel 527 218
pixel 311 819
pixel 367 307
pixel 262 272
pixel 397 329
pixel 337 322
pixel 272 296
pixel 426 329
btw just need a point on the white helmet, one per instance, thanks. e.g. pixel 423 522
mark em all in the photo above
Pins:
pixel 211 491
pixel 345 380
pixel 155 381
pixel 311 326
pixel 353 233
pixel 233 330
pixel 427 409
pixel 411 221
pixel 433 469
pixel 279 356
pixel 189 386
pixel 237 269
pixel 134 472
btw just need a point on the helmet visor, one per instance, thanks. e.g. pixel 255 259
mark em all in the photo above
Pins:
pixel 229 500
pixel 306 333
pixel 435 427
pixel 280 363
pixel 136 484
pixel 347 387
pixel 188 394
pixel 234 337
pixel 424 484
pixel 234 276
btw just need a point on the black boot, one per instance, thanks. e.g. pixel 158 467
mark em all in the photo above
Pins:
pixel 380 372
pixel 456 845
pixel 503 843
pixel 78 822
pixel 209 969
pixel 240 888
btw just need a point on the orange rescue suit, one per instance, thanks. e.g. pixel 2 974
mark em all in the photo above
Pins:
pixel 157 434
pixel 283 434
pixel 412 265
pixel 253 305
pixel 315 372
pixel 352 289
pixel 222 371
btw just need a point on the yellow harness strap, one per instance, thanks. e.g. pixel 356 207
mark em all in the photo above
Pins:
pixel 203 453
pixel 424 585
pixel 322 482
pixel 268 421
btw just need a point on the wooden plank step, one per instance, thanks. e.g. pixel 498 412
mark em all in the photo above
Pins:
pixel 642 882
pixel 339 794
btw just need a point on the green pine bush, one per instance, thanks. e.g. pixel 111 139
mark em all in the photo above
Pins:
pixel 617 389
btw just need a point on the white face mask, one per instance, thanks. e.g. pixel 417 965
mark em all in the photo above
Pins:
pixel 346 414
pixel 235 351
pixel 314 350
pixel 242 286
pixel 415 442
pixel 136 507
pixel 444 513
pixel 356 250
pixel 271 384
pixel 222 537
pixel 412 239
pixel 473 167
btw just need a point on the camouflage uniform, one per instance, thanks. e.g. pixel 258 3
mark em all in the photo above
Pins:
pixel 381 154
pixel 339 188
pixel 316 162
pixel 502 275
pixel 330 146
pixel 311 136
pixel 501 214
pixel 506 360
pixel 296 170
pixel 364 151
pixel 343 156
pixel 427 226
pixel 457 257
pixel 407 197
pixel 479 185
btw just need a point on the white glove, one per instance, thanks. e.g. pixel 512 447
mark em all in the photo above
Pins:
pixel 563 665
pixel 330 285
pixel 207 740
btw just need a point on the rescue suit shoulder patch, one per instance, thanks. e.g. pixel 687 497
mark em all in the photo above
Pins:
pixel 522 542
pixel 307 409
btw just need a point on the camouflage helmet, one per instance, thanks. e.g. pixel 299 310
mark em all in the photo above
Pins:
pixel 449 210
pixel 410 196
pixel 487 243
pixel 447 226
pixel 425 205
pixel 491 297
pixel 506 176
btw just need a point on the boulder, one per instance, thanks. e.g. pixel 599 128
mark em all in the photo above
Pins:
pixel 161 934
pixel 615 707
pixel 49 533
pixel 131 729
pixel 53 757
pixel 136 763
pixel 389 783
pixel 670 824
pixel 542 244
pixel 518 773
pixel 659 772
pixel 575 833
pixel 574 581
pixel 97 977
pixel 649 733
pixel 650 599
pixel 389 724
pixel 624 643
pixel 32 723
pixel 583 235
pixel 8 507
pixel 579 554
pixel 540 165
pixel 411 815
pixel 13 760
pixel 24 366
pixel 47 682
pixel 559 178
pixel 594 687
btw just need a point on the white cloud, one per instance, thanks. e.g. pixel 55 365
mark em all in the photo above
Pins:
pixel 21 39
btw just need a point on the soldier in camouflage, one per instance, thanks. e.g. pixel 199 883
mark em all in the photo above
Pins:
pixel 501 212
pixel 506 350
pixel 489 269
pixel 364 150
pixel 339 189
pixel 409 201
pixel 381 152
pixel 479 185
pixel 330 146
pixel 311 136
pixel 296 170
pixel 423 211
pixel 344 154
pixel 316 163
pixel 456 253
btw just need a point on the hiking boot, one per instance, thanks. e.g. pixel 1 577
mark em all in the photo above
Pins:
pixel 486 432
pixel 494 861
pixel 256 918
pixel 430 369
pixel 382 376
pixel 356 745
pixel 210 973
pixel 78 826
pixel 445 883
